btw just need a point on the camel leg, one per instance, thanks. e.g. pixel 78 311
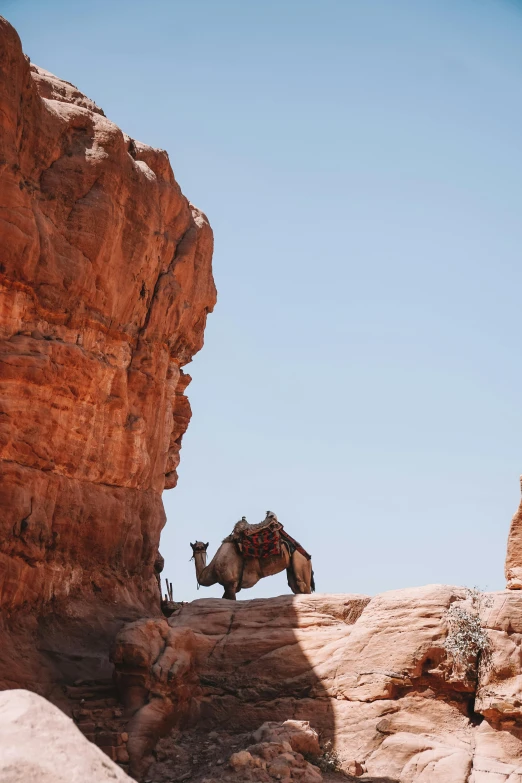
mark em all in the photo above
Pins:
pixel 292 583
pixel 302 572
pixel 230 591
pixel 303 588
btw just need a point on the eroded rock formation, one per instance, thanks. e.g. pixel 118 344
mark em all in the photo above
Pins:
pixel 105 285
pixel 374 675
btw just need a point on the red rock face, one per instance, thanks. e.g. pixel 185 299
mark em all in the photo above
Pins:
pixel 105 286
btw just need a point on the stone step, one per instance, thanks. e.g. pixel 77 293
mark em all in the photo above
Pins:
pixel 99 716
pixel 98 691
pixel 86 727
pixel 105 714
pixel 99 704
pixel 116 753
pixel 108 738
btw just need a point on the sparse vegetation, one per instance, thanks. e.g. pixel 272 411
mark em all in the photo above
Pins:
pixel 468 642
pixel 329 760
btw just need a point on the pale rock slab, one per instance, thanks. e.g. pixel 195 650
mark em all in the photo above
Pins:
pixel 39 744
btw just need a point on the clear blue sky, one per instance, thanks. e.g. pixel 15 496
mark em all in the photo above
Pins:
pixel 361 164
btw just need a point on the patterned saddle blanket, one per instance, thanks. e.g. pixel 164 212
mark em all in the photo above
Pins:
pixel 263 539
pixel 265 542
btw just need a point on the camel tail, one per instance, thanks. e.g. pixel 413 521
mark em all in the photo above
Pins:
pixel 312 582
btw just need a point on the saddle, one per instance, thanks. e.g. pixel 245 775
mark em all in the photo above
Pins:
pixel 263 539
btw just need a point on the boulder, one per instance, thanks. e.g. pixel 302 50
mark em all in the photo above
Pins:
pixel 268 761
pixel 39 743
pixel 240 760
pixel 298 733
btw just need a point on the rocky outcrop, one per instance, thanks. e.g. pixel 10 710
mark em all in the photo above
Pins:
pixel 513 566
pixel 39 743
pixel 272 759
pixel 105 285
pixel 375 676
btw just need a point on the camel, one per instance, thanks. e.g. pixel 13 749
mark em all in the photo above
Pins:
pixel 235 572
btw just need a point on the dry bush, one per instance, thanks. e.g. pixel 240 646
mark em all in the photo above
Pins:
pixel 329 760
pixel 467 641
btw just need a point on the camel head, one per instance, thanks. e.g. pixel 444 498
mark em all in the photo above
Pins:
pixel 199 547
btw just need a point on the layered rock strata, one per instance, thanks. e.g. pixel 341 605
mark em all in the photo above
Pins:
pixel 373 675
pixel 105 286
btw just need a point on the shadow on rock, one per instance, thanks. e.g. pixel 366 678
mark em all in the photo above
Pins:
pixel 374 780
pixel 233 665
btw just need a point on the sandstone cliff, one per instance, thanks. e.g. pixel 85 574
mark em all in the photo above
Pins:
pixel 105 286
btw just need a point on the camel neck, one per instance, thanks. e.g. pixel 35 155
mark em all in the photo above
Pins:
pixel 200 559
